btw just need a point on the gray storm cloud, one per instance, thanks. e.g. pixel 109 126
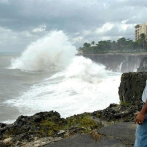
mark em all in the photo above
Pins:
pixel 22 22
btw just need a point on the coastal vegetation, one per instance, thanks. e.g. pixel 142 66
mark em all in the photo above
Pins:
pixel 121 45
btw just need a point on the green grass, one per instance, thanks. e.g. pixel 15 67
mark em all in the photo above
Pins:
pixel 83 121
pixel 125 103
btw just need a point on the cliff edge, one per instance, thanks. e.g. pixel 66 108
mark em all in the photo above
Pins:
pixel 131 87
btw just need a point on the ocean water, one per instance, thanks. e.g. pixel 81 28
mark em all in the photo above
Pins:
pixel 48 76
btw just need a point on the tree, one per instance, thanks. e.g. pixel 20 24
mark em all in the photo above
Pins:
pixel 86 44
pixel 142 37
pixel 92 43
pixel 104 46
pixel 121 41
pixel 113 45
pixel 121 45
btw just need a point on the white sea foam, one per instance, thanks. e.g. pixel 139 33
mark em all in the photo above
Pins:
pixel 52 52
pixel 86 69
pixel 83 87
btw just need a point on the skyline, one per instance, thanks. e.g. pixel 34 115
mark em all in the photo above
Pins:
pixel 23 22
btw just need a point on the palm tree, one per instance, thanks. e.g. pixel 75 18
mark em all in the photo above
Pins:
pixel 86 45
pixel 92 43
pixel 143 37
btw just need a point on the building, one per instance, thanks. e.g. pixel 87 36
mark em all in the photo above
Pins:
pixel 140 29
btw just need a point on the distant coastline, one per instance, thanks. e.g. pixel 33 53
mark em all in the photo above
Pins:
pixel 122 45
pixel 116 53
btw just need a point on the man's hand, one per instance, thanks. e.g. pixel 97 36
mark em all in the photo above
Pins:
pixel 139 118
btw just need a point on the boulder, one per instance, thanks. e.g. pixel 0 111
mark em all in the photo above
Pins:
pixel 28 127
pixel 131 87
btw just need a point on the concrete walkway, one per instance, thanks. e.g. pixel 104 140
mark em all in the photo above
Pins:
pixel 118 135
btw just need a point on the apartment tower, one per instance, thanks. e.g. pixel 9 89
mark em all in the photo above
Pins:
pixel 140 29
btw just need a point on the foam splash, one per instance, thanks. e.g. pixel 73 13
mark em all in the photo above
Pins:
pixel 85 69
pixel 52 52
pixel 83 87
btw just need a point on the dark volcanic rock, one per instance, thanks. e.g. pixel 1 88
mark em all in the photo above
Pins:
pixel 132 86
pixel 45 124
pixel 117 113
pixel 38 125
pixel 2 125
pixel 130 94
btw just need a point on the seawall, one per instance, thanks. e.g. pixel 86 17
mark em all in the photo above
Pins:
pixel 120 62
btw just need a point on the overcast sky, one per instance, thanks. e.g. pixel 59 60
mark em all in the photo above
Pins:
pixel 24 21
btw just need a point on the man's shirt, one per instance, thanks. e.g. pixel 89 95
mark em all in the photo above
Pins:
pixel 144 94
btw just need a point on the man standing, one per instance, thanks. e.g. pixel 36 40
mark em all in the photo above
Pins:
pixel 141 120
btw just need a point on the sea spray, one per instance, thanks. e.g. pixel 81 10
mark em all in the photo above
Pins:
pixel 85 69
pixel 52 52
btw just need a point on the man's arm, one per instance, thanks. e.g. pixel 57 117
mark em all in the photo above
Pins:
pixel 141 115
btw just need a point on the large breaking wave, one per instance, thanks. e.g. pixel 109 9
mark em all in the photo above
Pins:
pixel 82 87
pixel 52 52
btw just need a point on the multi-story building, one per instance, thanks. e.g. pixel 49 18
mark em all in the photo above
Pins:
pixel 140 29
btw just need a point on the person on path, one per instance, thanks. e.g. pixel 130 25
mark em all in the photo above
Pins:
pixel 141 120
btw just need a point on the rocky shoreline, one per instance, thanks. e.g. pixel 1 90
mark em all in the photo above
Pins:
pixel 46 128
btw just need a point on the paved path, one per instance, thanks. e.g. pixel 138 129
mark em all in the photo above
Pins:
pixel 118 135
